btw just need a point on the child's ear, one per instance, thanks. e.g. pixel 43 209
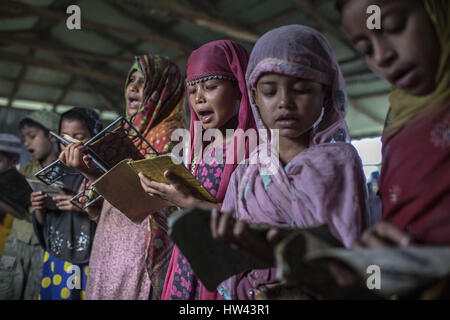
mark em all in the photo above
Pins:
pixel 52 139
pixel 14 162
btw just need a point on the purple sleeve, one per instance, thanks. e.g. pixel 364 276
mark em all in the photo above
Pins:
pixel 231 196
pixel 246 285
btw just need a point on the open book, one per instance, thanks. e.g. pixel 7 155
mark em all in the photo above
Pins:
pixel 402 271
pixel 53 190
pixel 117 151
pixel 118 141
pixel 15 190
pixel 122 188
pixel 211 260
pixel 214 261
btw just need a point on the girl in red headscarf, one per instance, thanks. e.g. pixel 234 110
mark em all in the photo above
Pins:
pixel 218 99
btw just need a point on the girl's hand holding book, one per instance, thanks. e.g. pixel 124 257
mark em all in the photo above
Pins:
pixel 73 156
pixel 63 203
pixel 239 235
pixel 175 192
pixel 38 201
pixel 384 234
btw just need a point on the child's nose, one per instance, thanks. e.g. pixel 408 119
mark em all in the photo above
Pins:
pixel 285 99
pixel 384 54
pixel 133 87
pixel 26 143
pixel 199 97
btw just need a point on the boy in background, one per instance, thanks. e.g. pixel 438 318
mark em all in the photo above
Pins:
pixel 21 264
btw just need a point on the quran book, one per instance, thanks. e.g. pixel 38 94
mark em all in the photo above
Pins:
pixel 122 188
pixel 212 260
pixel 51 191
pixel 117 142
pixel 115 146
pixel 155 167
pixel 15 190
pixel 402 271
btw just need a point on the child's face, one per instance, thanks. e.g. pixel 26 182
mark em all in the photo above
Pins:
pixel 36 142
pixel 405 51
pixel 289 104
pixel 6 163
pixel 75 129
pixel 214 101
pixel 135 92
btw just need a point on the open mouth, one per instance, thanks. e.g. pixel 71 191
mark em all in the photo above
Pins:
pixel 205 116
pixel 133 103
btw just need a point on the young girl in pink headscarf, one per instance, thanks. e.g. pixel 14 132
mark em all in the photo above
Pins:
pixel 297 88
pixel 218 99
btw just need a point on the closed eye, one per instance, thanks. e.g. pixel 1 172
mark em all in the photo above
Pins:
pixel 365 49
pixel 80 137
pixel 367 52
pixel 397 28
pixel 302 91
pixel 270 93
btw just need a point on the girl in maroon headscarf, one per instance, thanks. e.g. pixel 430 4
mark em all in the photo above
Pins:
pixel 218 99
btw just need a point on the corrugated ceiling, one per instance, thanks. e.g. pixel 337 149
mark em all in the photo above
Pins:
pixel 43 64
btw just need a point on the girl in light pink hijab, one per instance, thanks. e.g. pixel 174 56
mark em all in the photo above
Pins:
pixel 295 85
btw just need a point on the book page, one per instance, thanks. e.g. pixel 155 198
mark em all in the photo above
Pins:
pixel 113 147
pixel 50 190
pixel 401 270
pixel 154 169
pixel 121 187
pixel 212 261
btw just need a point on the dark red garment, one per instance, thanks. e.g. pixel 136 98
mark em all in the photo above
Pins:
pixel 415 177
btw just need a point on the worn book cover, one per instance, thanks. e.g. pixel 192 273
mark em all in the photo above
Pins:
pixel 214 261
pixel 15 190
pixel 106 149
pixel 122 188
pixel 380 273
pixel 155 167
pixel 113 147
pixel 50 190
pixel 211 260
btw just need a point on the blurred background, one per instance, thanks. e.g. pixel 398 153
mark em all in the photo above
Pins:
pixel 44 65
